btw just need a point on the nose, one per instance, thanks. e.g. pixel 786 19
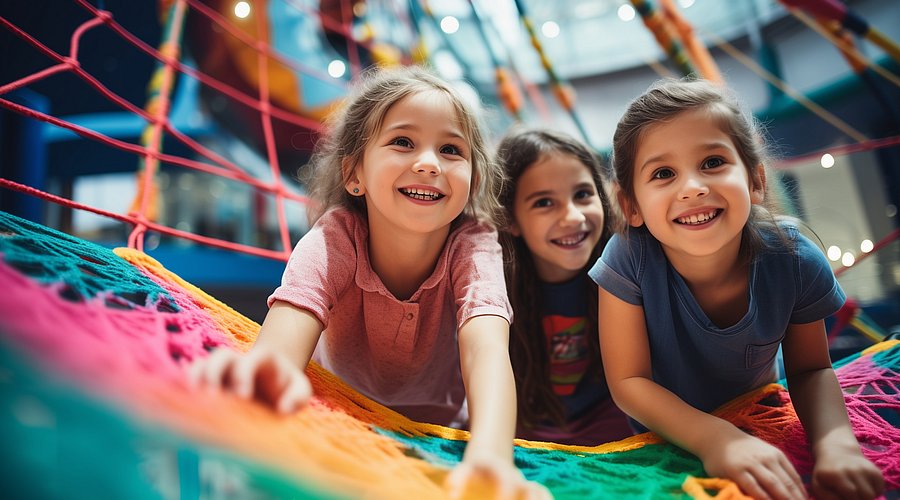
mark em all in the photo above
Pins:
pixel 693 186
pixel 572 216
pixel 427 163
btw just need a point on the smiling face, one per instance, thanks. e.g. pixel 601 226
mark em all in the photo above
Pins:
pixel 558 212
pixel 416 171
pixel 691 187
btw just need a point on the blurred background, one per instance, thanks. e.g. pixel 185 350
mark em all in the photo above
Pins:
pixel 180 126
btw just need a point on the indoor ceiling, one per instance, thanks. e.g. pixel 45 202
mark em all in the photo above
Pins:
pixel 592 35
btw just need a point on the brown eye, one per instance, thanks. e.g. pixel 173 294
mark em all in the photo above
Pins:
pixel 713 163
pixel 403 142
pixel 663 173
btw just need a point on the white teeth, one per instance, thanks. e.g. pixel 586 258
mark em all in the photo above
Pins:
pixel 571 240
pixel 421 194
pixel 698 218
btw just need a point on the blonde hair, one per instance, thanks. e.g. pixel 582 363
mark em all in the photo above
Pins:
pixel 349 130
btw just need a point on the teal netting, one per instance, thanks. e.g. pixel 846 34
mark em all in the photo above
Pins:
pixel 82 270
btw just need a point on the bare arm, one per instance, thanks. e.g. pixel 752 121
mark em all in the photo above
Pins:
pixel 491 394
pixel 290 330
pixel 840 469
pixel 758 468
pixel 490 386
pixel 272 370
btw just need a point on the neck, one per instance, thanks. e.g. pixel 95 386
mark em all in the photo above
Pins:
pixel 404 262
pixel 708 270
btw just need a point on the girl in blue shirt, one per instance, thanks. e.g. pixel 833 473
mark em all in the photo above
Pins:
pixel 701 289
pixel 559 221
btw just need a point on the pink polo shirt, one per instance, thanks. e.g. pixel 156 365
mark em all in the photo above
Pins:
pixel 403 354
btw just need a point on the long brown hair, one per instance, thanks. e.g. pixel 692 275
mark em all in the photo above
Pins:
pixel 517 151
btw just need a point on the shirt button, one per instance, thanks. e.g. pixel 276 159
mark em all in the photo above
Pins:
pixel 409 316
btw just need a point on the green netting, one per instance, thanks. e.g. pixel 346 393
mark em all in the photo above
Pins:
pixel 86 270
pixel 59 442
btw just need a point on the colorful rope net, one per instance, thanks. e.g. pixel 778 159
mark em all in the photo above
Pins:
pixel 95 345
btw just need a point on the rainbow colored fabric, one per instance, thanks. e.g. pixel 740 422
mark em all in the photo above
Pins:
pixel 93 349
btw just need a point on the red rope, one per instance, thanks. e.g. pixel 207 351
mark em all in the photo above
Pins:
pixel 840 151
pixel 266 118
pixel 140 150
pixel 209 81
pixel 136 220
pixel 877 246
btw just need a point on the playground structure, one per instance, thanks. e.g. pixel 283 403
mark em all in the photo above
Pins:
pixel 273 105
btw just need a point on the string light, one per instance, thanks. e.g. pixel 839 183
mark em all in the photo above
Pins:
pixel 834 253
pixel 242 10
pixel 550 29
pixel 450 25
pixel 827 161
pixel 848 259
pixel 337 68
pixel 866 246
pixel 626 12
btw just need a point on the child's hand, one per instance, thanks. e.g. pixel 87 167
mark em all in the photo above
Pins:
pixel 261 373
pixel 492 478
pixel 846 474
pixel 759 469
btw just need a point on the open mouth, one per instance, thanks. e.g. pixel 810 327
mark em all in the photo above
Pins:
pixel 421 194
pixel 698 219
pixel 572 240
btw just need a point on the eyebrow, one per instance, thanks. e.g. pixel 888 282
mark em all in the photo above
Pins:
pixel 414 127
pixel 538 194
pixel 710 146
pixel 549 192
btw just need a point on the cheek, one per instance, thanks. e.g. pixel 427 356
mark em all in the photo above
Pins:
pixel 463 177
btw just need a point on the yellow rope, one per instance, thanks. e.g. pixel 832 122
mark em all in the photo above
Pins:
pixel 787 89
pixel 845 47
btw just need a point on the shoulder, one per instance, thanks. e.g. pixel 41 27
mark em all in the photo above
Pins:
pixel 630 249
pixel 786 238
pixel 817 291
pixel 622 267
pixel 467 234
pixel 339 221
pixel 337 230
pixel 332 242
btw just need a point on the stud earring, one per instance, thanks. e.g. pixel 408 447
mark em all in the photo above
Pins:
pixel 355 190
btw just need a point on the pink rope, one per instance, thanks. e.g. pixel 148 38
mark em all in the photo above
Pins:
pixel 877 246
pixel 263 62
pixel 159 228
pixel 847 149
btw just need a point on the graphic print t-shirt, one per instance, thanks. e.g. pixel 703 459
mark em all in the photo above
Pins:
pixel 565 327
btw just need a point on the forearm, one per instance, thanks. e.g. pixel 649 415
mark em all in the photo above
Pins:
pixel 290 331
pixel 819 403
pixel 666 414
pixel 490 389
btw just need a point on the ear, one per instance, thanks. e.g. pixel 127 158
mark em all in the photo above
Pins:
pixel 629 210
pixel 355 188
pixel 353 185
pixel 514 229
pixel 758 184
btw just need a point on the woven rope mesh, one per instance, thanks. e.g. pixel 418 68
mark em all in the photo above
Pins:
pixel 94 402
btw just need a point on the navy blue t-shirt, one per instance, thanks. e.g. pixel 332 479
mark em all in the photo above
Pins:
pixel 564 318
pixel 707 366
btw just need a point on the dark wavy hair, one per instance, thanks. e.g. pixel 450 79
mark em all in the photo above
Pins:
pixel 517 151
